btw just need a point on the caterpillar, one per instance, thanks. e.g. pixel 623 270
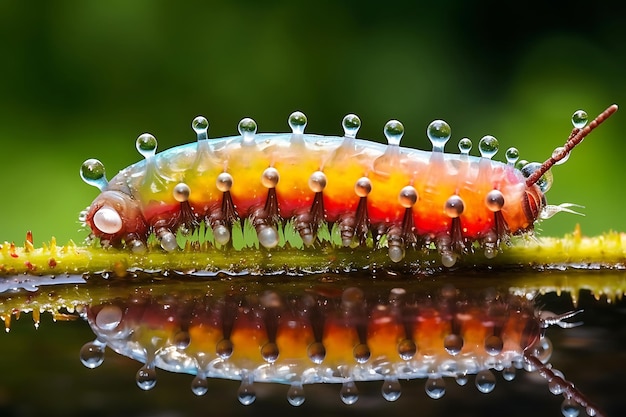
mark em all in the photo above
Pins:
pixel 362 191
pixel 324 334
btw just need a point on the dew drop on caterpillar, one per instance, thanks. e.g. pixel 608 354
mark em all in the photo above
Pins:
pixel 324 333
pixel 361 191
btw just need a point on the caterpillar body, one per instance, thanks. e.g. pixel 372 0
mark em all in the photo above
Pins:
pixel 415 199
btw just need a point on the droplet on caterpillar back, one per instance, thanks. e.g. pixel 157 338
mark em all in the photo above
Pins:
pixel 438 133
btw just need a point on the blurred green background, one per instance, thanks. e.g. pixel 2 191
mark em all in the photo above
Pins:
pixel 83 79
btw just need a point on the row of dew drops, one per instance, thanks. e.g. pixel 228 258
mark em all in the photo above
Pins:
pixel 438 132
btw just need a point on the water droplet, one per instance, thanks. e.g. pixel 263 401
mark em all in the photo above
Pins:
pixel 485 381
pixel 363 187
pixel 453 343
pixel 494 200
pixel 512 156
pixel 435 388
pixel 246 393
pixel 570 408
pixel 349 394
pixel 93 173
pixel 181 192
pixel 546 180
pixel 316 352
pixel 109 317
pixel 556 153
pixel 224 182
pixel 407 349
pixel 351 124
pixel 438 133
pixel 297 122
pixel 268 236
pixel 465 146
pixel 247 128
pixel 408 196
pixel 508 373
pixel 391 389
pixel 200 125
pixel 146 145
pixel 579 119
pixel 317 181
pixel 394 130
pixel 295 394
pixel 488 146
pixel 92 354
pixel 199 385
pixel 146 377
pixel 454 206
pixel 270 177
pixel 221 234
pixel 521 164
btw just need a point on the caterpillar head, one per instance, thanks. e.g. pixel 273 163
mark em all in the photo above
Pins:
pixel 539 178
pixel 114 216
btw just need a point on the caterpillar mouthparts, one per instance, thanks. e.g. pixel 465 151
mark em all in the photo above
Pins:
pixel 307 190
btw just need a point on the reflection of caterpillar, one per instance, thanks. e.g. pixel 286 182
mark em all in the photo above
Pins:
pixel 413 198
pixel 320 334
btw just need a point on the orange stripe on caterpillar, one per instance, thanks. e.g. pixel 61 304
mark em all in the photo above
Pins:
pixel 416 199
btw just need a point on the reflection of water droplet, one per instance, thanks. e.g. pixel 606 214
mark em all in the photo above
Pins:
pixel 349 394
pixel 246 393
pixel 224 348
pixel 394 130
pixel 485 381
pixel 508 373
pixel 488 146
pixel 93 173
pixel 316 352
pixel 435 388
pixel 361 353
pixel 493 345
pixel 351 124
pixel 465 146
pixel 92 354
pixel 297 122
pixel 146 377
pixel 570 408
pixel 269 352
pixel 579 119
pixel 391 389
pixel 406 349
pixel 438 133
pixel 461 379
pixel 199 385
pixel 453 343
pixel 295 394
pixel 146 145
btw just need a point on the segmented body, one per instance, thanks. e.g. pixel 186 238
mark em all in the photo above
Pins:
pixel 416 199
